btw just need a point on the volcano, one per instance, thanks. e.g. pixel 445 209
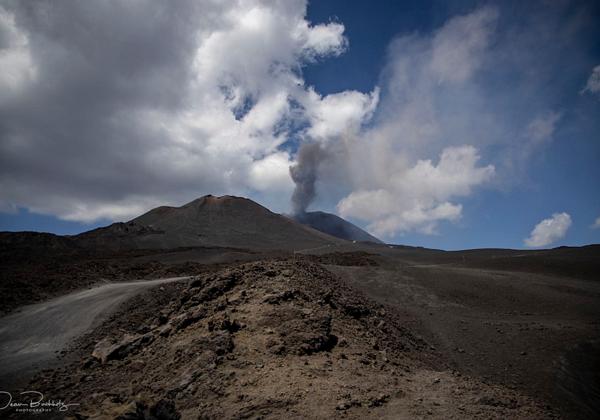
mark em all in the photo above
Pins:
pixel 226 221
pixel 335 226
pixel 182 302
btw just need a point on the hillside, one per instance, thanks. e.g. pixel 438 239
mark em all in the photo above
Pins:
pixel 342 329
pixel 208 221
pixel 335 226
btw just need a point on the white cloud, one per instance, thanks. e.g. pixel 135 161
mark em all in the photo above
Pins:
pixel 117 107
pixel 542 127
pixel 151 106
pixel 457 48
pixel 394 185
pixel 272 174
pixel 418 197
pixel 596 224
pixel 593 83
pixel 322 40
pixel 430 98
pixel 549 230
pixel 442 94
pixel 336 114
pixel 92 211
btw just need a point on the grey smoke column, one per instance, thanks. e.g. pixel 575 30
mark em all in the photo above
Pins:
pixel 304 174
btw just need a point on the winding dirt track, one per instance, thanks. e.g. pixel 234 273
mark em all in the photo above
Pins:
pixel 31 338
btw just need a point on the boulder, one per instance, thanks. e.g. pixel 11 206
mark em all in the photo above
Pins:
pixel 106 350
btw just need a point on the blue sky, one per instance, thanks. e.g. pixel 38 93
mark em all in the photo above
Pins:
pixel 440 124
pixel 564 177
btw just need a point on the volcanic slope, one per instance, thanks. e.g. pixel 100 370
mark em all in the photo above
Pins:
pixel 225 221
pixel 335 226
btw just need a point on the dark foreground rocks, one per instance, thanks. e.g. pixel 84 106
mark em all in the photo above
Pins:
pixel 270 339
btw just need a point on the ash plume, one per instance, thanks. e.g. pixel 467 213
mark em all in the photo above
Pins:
pixel 304 174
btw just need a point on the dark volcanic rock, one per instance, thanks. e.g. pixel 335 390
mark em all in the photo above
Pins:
pixel 106 350
pixel 207 221
pixel 335 226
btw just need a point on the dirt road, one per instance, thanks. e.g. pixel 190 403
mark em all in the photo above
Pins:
pixel 31 339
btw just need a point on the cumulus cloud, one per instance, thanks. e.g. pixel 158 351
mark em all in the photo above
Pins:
pixel 388 166
pixel 444 126
pixel 108 109
pixel 271 174
pixel 549 230
pixel 418 197
pixel 336 114
pixel 593 83
pixel 596 224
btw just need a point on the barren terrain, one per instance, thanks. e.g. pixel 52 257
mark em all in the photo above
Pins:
pixel 315 328
pixel 32 336
pixel 271 339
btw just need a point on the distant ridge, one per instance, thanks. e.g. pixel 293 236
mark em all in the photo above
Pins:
pixel 335 226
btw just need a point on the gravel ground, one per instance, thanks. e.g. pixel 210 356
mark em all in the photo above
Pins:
pixel 270 339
